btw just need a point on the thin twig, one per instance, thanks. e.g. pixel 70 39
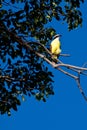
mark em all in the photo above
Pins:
pixel 41 46
pixel 71 66
pixel 67 73
pixel 81 90
pixel 65 55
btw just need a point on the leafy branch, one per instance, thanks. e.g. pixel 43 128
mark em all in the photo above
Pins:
pixel 59 65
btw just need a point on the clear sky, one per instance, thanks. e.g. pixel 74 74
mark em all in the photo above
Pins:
pixel 67 109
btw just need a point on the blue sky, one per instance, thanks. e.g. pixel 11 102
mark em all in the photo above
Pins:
pixel 67 109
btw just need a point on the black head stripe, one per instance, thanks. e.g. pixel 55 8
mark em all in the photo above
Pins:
pixel 58 35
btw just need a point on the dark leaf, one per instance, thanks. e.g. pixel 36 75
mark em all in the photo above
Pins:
pixel 44 100
pixel 14 106
pixel 9 61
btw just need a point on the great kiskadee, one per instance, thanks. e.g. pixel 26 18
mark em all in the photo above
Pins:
pixel 55 46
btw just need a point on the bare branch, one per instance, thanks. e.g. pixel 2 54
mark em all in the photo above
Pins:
pixel 67 73
pixel 41 46
pixel 65 55
pixel 81 90
pixel 71 66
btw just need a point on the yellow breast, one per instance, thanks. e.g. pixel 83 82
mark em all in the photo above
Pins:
pixel 55 47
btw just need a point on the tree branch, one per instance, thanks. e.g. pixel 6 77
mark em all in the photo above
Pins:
pixel 71 66
pixel 77 69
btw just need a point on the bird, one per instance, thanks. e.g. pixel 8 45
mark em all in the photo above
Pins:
pixel 55 47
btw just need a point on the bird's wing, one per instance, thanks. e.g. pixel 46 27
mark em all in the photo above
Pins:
pixel 51 48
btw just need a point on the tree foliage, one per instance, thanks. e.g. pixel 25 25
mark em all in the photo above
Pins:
pixel 22 72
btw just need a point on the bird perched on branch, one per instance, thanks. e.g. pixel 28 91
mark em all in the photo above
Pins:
pixel 55 46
